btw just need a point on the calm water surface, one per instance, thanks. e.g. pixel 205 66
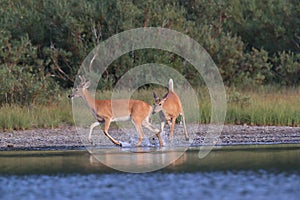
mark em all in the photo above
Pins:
pixel 239 172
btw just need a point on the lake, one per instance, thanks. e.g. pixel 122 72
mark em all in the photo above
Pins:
pixel 228 172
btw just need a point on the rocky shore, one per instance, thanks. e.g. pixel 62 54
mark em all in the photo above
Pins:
pixel 67 137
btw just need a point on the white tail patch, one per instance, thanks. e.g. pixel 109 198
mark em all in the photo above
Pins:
pixel 171 88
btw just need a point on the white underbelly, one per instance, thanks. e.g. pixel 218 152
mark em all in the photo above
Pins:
pixel 118 119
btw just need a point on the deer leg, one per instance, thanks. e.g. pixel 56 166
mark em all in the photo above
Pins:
pixel 169 121
pixel 106 127
pixel 172 128
pixel 141 136
pixel 184 128
pixel 149 126
pixel 140 132
pixel 162 121
pixel 91 130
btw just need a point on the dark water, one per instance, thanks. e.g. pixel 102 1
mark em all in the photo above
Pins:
pixel 236 172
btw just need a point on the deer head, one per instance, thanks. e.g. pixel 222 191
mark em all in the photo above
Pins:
pixel 158 103
pixel 78 91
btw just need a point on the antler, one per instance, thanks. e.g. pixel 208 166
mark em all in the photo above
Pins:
pixel 93 59
pixel 82 80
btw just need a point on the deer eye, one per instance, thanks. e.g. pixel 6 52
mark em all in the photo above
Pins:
pixel 159 104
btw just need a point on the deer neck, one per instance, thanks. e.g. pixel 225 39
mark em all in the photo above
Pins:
pixel 90 101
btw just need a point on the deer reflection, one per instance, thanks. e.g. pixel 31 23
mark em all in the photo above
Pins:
pixel 137 160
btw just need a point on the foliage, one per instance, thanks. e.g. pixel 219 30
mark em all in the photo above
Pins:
pixel 22 76
pixel 287 68
pixel 43 42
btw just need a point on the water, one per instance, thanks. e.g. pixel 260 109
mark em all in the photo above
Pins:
pixel 234 172
pixel 200 185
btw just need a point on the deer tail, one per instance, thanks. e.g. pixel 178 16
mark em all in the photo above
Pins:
pixel 171 85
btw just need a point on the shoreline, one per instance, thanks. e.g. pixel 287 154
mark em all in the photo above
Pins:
pixel 67 138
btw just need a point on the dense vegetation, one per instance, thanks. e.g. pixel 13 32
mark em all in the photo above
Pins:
pixel 43 42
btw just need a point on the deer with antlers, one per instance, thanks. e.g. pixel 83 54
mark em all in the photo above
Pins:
pixel 107 111
pixel 169 109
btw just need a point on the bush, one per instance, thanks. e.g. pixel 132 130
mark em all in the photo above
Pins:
pixel 22 76
pixel 252 42
pixel 287 68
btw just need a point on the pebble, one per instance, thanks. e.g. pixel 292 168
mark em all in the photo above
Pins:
pixel 68 137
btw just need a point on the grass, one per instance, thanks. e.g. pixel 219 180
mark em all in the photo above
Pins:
pixel 262 106
pixel 15 117
pixel 266 107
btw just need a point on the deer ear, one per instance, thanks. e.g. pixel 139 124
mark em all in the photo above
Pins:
pixel 155 96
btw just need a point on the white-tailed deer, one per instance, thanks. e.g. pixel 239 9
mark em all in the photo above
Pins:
pixel 169 109
pixel 124 109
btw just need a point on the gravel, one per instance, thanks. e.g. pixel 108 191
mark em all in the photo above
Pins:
pixel 68 138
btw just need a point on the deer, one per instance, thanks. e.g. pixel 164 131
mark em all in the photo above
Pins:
pixel 124 109
pixel 169 108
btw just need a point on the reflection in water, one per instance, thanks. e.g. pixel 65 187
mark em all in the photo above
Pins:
pixel 233 172
pixel 138 160
pixel 256 157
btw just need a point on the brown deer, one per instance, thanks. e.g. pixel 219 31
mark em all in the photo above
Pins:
pixel 124 109
pixel 169 109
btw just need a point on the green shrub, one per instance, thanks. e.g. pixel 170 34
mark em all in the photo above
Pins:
pixel 22 76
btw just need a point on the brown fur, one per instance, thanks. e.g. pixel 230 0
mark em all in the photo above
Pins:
pixel 170 108
pixel 123 109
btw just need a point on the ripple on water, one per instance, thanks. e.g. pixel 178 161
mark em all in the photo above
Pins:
pixel 204 185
